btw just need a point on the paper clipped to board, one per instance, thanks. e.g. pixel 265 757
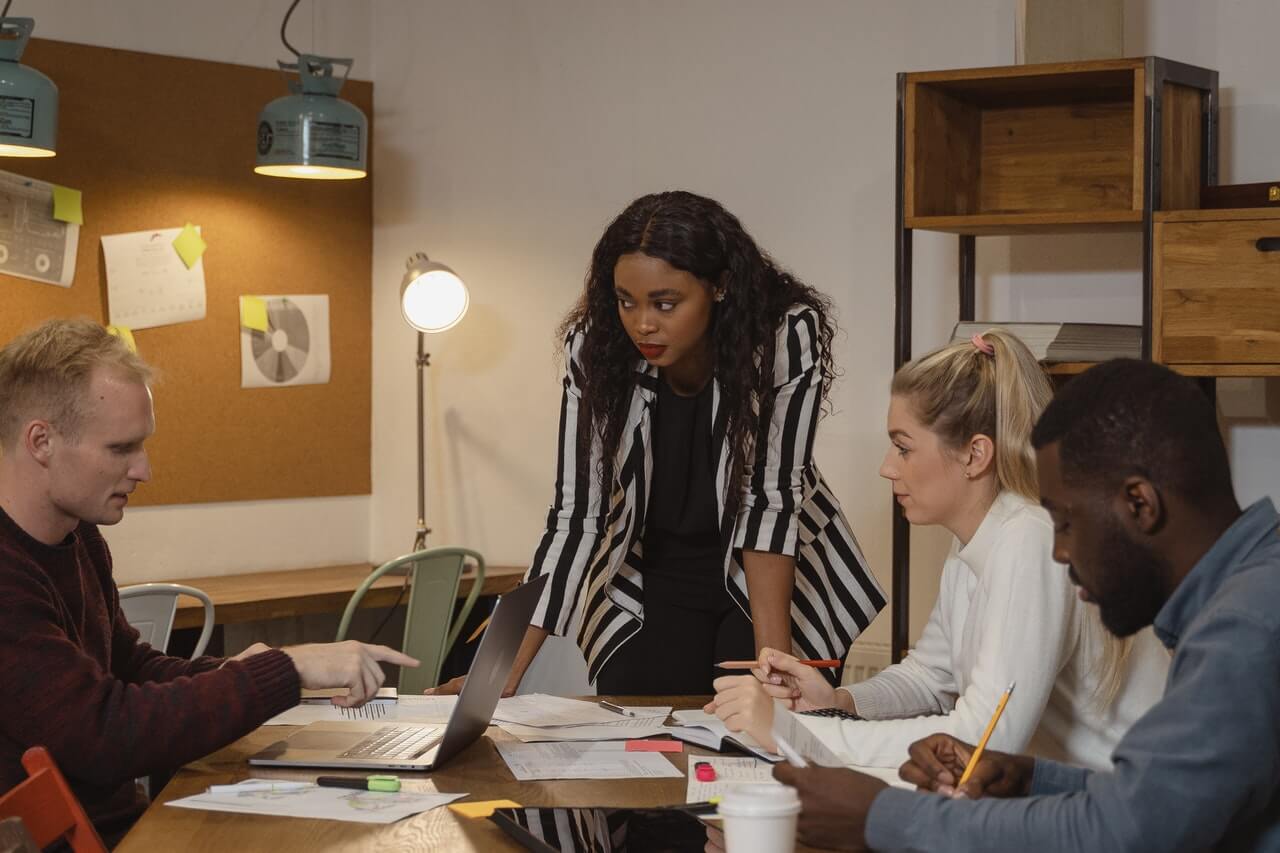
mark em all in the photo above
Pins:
pixel 33 243
pixel 148 284
pixel 294 348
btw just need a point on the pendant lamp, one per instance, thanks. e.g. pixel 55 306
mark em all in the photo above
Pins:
pixel 28 99
pixel 311 132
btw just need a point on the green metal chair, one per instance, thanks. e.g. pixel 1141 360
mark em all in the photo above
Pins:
pixel 430 628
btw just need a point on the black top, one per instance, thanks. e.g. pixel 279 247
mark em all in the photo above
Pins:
pixel 682 530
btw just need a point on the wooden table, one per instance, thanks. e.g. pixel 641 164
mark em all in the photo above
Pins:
pixel 297 592
pixel 479 770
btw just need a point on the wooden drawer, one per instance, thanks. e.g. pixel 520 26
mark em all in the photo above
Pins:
pixel 1216 289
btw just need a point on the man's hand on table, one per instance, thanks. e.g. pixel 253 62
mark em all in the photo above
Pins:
pixel 938 761
pixel 348 664
pixel 834 802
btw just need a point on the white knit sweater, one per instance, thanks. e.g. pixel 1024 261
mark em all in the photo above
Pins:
pixel 1005 612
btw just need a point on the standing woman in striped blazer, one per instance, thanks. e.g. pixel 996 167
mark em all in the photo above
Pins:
pixel 690 524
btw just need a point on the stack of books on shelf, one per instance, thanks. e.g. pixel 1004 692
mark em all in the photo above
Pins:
pixel 1066 342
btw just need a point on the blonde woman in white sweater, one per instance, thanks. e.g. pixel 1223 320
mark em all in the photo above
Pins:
pixel 959 425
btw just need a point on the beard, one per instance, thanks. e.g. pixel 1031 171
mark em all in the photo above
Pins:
pixel 1131 586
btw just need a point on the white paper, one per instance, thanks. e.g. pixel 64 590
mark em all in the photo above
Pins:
pixel 539 709
pixel 529 761
pixel 729 771
pixel 148 284
pixel 409 709
pixel 315 802
pixel 33 244
pixel 539 734
pixel 803 741
pixel 719 731
pixel 295 348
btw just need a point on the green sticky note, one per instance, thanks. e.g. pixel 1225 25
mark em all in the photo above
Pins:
pixel 124 333
pixel 66 205
pixel 190 245
pixel 253 313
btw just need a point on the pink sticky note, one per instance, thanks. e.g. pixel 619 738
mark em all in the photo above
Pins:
pixel 655 746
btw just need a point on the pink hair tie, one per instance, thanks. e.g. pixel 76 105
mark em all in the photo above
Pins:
pixel 982 345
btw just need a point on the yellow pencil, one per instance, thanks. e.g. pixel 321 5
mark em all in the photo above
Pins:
pixel 986 736
pixel 479 629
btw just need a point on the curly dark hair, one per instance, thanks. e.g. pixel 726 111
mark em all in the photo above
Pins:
pixel 696 235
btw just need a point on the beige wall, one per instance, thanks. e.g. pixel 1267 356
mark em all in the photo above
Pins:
pixel 508 133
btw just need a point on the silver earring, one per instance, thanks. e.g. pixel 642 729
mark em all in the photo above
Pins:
pixel 719 297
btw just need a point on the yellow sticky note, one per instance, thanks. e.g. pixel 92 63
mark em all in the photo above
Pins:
pixel 253 313
pixel 484 808
pixel 125 334
pixel 66 205
pixel 190 245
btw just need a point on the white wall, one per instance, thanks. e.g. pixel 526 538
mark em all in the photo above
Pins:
pixel 512 136
pixel 154 543
pixel 509 135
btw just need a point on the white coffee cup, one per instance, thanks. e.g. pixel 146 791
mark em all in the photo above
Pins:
pixel 759 818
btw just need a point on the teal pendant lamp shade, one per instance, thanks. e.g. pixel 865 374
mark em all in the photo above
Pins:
pixel 312 133
pixel 28 99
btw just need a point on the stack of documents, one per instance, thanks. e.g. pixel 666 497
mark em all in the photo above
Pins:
pixel 538 717
pixel 404 709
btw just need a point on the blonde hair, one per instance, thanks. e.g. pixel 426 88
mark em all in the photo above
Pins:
pixel 960 391
pixel 45 372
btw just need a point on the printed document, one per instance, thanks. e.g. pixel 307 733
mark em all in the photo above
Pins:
pixel 529 761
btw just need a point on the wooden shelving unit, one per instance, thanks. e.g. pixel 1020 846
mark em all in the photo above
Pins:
pixel 1043 149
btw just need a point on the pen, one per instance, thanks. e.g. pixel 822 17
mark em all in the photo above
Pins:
pixel 384 784
pixel 788 751
pixel 986 736
pixel 617 709
pixel 752 664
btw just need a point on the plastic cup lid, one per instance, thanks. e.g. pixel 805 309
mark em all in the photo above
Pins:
pixel 759 801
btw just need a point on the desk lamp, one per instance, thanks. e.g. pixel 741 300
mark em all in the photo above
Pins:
pixel 432 299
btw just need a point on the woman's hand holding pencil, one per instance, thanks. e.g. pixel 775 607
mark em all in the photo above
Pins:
pixel 798 683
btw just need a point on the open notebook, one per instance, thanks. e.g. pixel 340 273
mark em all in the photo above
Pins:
pixel 707 730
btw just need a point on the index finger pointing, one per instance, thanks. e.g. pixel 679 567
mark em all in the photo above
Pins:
pixel 389 655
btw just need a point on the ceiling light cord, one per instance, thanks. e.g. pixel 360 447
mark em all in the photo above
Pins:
pixel 283 25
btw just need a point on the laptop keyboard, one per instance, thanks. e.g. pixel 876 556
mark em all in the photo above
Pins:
pixel 395 742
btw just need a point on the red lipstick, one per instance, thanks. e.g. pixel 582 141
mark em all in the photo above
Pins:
pixel 651 351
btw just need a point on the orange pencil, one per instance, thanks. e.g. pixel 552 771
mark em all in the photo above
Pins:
pixel 752 664
pixel 986 736
pixel 479 630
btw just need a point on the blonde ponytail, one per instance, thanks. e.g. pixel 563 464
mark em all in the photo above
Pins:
pixel 992 385
pixel 961 391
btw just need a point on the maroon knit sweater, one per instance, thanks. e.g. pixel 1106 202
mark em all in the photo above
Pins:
pixel 75 679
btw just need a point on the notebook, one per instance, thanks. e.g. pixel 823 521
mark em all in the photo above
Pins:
pixel 707 730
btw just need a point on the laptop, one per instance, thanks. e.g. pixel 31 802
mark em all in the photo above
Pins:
pixel 374 745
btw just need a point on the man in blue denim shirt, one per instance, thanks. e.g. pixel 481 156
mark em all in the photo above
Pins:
pixel 1134 473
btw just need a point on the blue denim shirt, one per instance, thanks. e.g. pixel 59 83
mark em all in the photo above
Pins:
pixel 1199 771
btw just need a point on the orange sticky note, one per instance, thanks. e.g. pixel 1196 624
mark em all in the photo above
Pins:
pixel 655 746
pixel 484 808
pixel 125 334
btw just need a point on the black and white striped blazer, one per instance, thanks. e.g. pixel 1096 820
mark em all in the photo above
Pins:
pixel 592 545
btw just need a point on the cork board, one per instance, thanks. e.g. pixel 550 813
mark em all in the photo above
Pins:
pixel 156 141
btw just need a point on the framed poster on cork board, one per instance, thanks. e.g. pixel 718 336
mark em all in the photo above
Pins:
pixel 157 141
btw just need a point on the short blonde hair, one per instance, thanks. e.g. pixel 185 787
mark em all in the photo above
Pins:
pixel 960 391
pixel 44 373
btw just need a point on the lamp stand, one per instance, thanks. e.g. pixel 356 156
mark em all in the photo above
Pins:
pixel 420 538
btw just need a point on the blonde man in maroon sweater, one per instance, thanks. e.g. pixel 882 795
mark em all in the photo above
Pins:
pixel 75 412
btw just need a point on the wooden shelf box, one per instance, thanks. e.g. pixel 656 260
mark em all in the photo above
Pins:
pixel 1044 147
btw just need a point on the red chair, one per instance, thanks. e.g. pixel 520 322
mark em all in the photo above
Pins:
pixel 47 806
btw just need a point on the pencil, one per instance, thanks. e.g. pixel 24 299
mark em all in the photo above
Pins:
pixel 479 630
pixel 752 664
pixel 986 736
